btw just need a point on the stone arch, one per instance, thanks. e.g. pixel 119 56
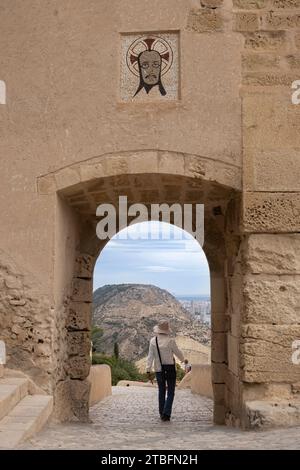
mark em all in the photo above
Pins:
pixel 144 176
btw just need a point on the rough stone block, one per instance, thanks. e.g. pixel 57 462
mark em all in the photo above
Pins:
pixel 219 393
pixel 143 162
pixel 205 20
pixel 13 282
pixel 211 3
pixel 282 133
pixel 265 391
pixel 171 162
pixel 265 414
pixel 82 290
pixel 67 177
pixel 219 372
pixel 219 347
pixel 233 353
pixel 84 266
pixel 271 170
pixel 250 4
pixel 257 62
pixel 268 78
pixel 245 21
pixel 273 301
pixel 219 414
pixel 266 40
pixel 273 254
pixel 218 301
pixel 79 316
pixel 293 61
pixel 288 4
pixel 278 20
pixel 79 343
pixel 78 367
pixel 219 322
pixel 80 392
pixel 115 165
pixel 266 353
pixel 91 171
pixel 272 212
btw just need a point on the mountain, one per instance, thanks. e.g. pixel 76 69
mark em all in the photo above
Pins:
pixel 128 312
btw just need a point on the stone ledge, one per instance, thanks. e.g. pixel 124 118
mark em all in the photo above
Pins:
pixel 264 414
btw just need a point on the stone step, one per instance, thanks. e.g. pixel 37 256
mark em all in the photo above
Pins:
pixel 12 390
pixel 25 419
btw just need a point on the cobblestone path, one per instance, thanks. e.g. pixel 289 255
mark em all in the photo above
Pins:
pixel 129 420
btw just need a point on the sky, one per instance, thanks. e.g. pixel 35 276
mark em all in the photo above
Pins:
pixel 154 253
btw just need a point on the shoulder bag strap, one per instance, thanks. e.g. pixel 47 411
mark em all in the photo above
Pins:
pixel 158 351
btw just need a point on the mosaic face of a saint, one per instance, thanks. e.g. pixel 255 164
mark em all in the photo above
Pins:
pixel 150 67
pixel 149 58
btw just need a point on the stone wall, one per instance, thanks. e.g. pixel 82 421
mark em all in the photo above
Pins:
pixel 26 326
pixel 69 145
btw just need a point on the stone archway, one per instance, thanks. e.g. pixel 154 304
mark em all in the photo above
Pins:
pixel 147 177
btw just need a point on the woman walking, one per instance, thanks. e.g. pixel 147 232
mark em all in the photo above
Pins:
pixel 161 351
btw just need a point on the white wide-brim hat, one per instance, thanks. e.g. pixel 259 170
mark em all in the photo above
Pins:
pixel 163 328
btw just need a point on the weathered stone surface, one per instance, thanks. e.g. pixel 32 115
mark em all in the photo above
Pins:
pixel 171 163
pixel 280 20
pixel 264 414
pixel 250 4
pixel 233 353
pixel 266 391
pixel 84 266
pixel 284 164
pixel 266 353
pixel 46 184
pixel 268 78
pixel 78 367
pixel 288 4
pixel 273 254
pixel 80 392
pixel 82 290
pixel 79 343
pixel 272 212
pixel 219 347
pixel 257 62
pixel 67 177
pixel 265 40
pixel 219 372
pixel 202 21
pixel 25 323
pixel 79 316
pixel 143 162
pixel 91 171
pixel 281 135
pixel 274 301
pixel 245 21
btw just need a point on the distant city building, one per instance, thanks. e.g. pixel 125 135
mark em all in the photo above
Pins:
pixel 199 309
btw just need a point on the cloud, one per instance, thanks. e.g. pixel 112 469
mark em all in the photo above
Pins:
pixel 159 269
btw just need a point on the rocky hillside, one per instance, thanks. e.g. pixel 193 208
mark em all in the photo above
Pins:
pixel 128 312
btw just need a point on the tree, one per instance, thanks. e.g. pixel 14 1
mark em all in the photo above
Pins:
pixel 96 336
pixel 116 350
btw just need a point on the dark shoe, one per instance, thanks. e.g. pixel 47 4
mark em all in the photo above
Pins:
pixel 165 418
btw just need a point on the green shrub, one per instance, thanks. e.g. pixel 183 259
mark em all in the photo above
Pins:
pixel 121 369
